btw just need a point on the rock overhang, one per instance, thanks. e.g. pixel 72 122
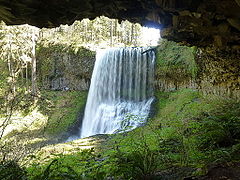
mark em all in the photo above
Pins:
pixel 193 22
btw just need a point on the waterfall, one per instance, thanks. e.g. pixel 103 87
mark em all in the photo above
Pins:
pixel 121 91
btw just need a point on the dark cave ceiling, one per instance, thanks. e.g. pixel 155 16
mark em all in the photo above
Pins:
pixel 194 22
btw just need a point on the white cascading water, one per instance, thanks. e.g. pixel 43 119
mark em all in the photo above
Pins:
pixel 121 87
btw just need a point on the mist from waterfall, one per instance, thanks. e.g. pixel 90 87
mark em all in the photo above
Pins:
pixel 121 91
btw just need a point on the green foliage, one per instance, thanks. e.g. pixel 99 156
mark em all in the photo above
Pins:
pixel 17 44
pixel 81 165
pixel 10 170
pixel 135 156
pixel 99 32
pixel 188 130
pixel 206 125
pixel 220 127
pixel 34 124
pixel 62 108
pixel 5 14
pixel 175 61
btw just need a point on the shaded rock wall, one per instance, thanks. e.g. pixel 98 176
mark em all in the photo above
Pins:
pixel 209 70
pixel 219 72
pixel 65 68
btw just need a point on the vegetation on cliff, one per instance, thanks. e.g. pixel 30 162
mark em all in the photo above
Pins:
pixel 175 62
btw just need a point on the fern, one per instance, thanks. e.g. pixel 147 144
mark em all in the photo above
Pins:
pixel 5 14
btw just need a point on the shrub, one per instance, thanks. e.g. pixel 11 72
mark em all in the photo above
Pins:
pixel 10 170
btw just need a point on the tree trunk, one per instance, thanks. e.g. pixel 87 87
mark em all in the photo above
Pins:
pixel 11 71
pixel 132 34
pixel 34 68
pixel 26 77
pixel 111 33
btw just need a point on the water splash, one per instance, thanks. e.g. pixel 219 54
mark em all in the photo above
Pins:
pixel 122 84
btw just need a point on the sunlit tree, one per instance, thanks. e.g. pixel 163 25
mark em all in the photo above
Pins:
pixel 101 31
pixel 18 52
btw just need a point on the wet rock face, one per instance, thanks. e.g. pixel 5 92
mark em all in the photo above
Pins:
pixel 195 22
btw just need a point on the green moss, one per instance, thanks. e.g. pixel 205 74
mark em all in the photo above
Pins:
pixel 175 61
pixel 62 108
pixel 176 104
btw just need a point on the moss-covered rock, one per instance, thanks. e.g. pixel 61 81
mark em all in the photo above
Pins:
pixel 210 70
pixel 64 67
pixel 175 66
pixel 63 109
